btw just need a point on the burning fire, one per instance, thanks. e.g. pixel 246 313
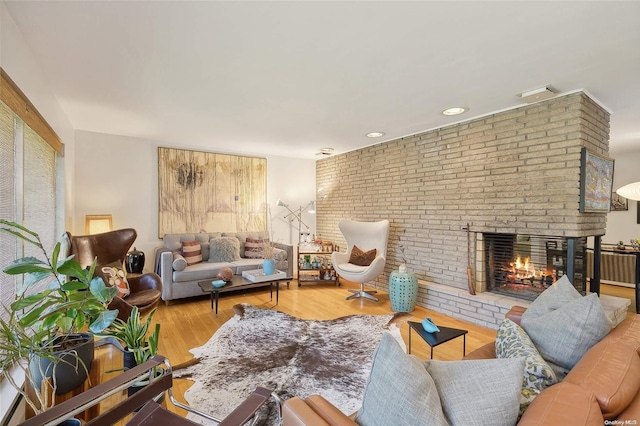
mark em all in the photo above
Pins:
pixel 524 270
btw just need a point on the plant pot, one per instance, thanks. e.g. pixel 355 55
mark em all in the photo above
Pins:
pixel 141 384
pixel 73 363
pixel 128 359
pixel 128 362
pixel 269 266
pixel 70 422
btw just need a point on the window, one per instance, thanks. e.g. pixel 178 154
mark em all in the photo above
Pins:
pixel 7 203
pixel 28 190
pixel 29 154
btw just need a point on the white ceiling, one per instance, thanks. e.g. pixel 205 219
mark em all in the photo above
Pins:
pixel 288 78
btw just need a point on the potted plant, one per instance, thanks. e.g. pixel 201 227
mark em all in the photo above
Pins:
pixel 139 344
pixel 42 334
pixel 268 262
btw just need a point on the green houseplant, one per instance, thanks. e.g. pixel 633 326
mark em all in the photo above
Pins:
pixel 140 344
pixel 58 299
pixel 134 335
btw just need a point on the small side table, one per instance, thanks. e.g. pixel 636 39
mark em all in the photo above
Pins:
pixel 439 337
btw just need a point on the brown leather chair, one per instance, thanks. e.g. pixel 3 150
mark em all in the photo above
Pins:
pixel 146 289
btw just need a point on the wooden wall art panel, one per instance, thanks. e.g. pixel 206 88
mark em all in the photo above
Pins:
pixel 209 192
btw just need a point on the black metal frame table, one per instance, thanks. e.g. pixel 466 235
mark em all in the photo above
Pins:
pixel 439 337
pixel 240 283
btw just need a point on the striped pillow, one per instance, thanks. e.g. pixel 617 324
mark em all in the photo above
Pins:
pixel 253 248
pixel 191 252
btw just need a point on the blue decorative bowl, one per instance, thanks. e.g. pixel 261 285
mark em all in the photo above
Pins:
pixel 218 283
pixel 429 326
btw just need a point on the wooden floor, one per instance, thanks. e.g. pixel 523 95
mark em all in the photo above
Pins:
pixel 191 322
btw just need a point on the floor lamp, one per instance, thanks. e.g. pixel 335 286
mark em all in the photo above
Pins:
pixel 297 215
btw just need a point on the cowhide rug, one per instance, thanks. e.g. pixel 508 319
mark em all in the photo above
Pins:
pixel 291 356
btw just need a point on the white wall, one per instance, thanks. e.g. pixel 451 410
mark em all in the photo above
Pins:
pixel 293 181
pixel 119 175
pixel 20 64
pixel 623 225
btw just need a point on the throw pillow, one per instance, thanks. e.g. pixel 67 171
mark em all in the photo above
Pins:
pixel 279 254
pixel 224 249
pixel 479 392
pixel 179 262
pixel 362 258
pixel 565 334
pixel 399 390
pixel 174 241
pixel 192 252
pixel 253 248
pixel 114 275
pixel 513 342
pixel 554 297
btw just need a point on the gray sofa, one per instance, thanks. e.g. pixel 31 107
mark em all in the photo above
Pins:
pixel 180 281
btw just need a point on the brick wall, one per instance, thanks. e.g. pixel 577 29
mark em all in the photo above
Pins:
pixel 514 171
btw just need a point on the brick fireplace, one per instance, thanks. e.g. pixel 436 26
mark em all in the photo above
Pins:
pixel 514 172
pixel 523 266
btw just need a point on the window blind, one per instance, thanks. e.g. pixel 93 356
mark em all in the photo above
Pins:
pixel 28 191
pixel 39 194
pixel 7 204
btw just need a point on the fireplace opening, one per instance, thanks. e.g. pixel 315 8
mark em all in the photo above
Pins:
pixel 524 266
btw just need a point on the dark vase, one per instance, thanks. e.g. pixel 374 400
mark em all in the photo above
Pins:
pixel 74 363
pixel 134 261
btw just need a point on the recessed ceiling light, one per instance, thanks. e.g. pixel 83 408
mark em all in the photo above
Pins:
pixel 375 134
pixel 454 111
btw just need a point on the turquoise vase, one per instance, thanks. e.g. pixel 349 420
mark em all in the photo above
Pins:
pixel 403 290
pixel 269 266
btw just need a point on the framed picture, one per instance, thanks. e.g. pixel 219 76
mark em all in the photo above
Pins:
pixel 638 213
pixel 619 203
pixel 596 181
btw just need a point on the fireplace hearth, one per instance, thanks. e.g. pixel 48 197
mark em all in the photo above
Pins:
pixel 523 266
